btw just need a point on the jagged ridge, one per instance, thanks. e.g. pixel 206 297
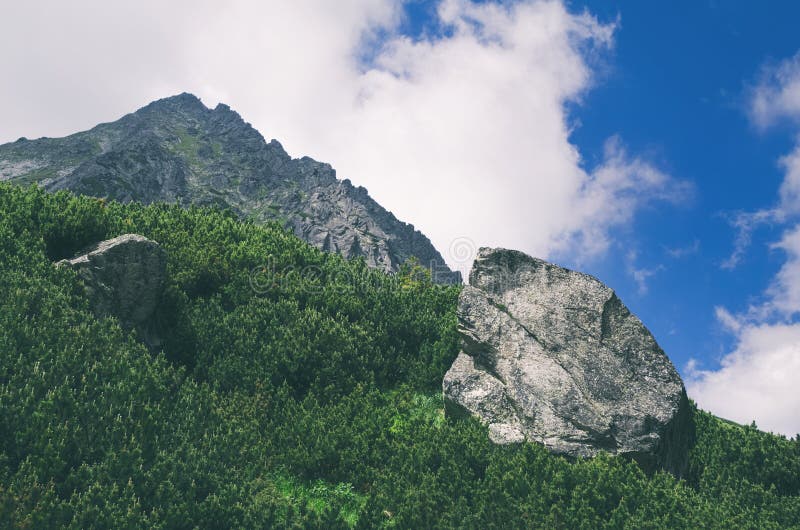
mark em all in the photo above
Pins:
pixel 178 150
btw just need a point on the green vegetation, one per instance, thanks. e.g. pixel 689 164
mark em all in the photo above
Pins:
pixel 295 389
pixel 32 177
pixel 187 145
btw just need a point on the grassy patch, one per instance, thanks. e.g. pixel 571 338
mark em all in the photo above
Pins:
pixel 415 409
pixel 321 497
pixel 187 146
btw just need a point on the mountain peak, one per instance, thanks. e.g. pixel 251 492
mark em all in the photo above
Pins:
pixel 183 100
pixel 180 104
pixel 176 149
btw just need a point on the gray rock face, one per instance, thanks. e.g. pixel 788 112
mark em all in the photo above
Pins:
pixel 177 150
pixel 553 356
pixel 124 278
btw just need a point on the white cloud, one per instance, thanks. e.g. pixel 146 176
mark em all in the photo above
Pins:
pixel 777 95
pixel 784 293
pixel 682 252
pixel 758 380
pixel 745 224
pixel 641 275
pixel 728 320
pixel 465 135
pixel 612 193
pixel 790 187
pixel 776 98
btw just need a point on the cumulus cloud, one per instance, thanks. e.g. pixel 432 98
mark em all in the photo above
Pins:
pixel 758 380
pixel 465 131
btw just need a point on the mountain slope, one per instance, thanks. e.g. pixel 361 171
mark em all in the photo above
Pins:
pixel 178 150
pixel 314 402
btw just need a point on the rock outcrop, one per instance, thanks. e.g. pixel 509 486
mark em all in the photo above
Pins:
pixel 553 356
pixel 177 150
pixel 124 278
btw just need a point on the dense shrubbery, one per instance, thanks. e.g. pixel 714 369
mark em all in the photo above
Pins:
pixel 295 389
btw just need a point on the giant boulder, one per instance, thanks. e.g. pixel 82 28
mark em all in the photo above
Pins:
pixel 553 356
pixel 124 278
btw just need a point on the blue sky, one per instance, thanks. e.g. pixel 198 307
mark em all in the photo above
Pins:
pixel 618 138
pixel 677 86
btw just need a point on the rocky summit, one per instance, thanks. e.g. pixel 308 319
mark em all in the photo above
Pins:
pixel 553 356
pixel 178 150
